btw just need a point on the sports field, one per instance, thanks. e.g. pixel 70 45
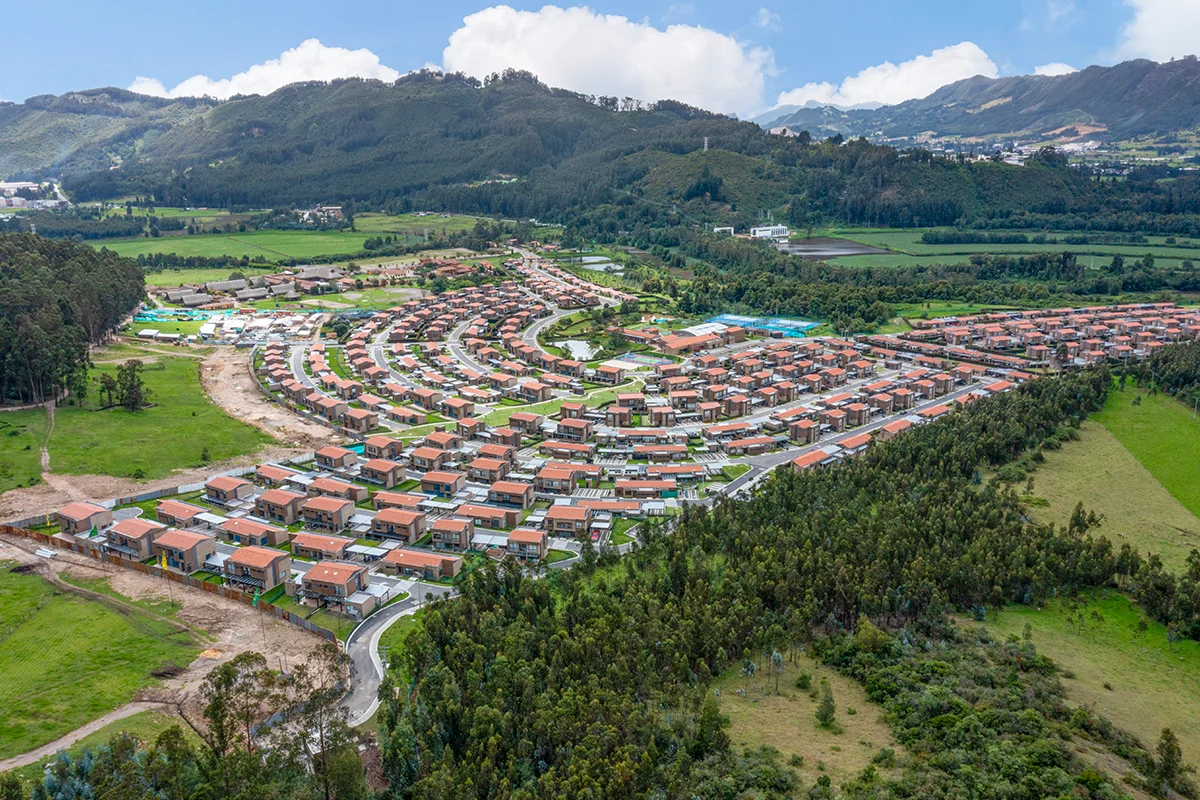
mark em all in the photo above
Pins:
pixel 1153 683
pixel 66 661
pixel 153 442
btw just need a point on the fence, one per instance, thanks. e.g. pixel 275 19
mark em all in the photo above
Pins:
pixel 175 577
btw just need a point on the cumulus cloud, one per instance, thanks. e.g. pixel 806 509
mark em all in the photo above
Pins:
pixel 766 18
pixel 888 83
pixel 310 61
pixel 1054 68
pixel 602 54
pixel 1161 29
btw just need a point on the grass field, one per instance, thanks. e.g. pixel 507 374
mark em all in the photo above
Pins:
pixel 21 436
pixel 1161 433
pixel 144 726
pixel 259 245
pixel 1153 683
pixel 153 442
pixel 909 249
pixel 1102 473
pixel 178 277
pixel 66 661
pixel 787 721
pixel 391 641
pixel 411 224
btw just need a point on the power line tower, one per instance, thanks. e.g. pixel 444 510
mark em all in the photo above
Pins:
pixel 706 144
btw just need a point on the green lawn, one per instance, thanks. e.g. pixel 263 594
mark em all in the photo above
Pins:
pixel 411 224
pixel 153 442
pixel 21 436
pixel 391 641
pixel 620 526
pixel 1161 433
pixel 1099 471
pixel 66 661
pixel 1153 683
pixel 554 556
pixel 734 471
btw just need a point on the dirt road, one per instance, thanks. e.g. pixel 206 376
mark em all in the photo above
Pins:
pixel 226 377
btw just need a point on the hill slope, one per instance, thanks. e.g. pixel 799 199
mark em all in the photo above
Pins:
pixel 1129 99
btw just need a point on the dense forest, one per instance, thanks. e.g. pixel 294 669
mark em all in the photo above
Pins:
pixel 596 682
pixel 56 298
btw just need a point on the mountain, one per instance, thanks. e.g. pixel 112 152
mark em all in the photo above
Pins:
pixel 1130 99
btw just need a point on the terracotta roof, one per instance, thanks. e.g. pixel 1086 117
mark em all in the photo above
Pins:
pixel 324 503
pixel 225 482
pixel 80 511
pixel 527 536
pixel 280 496
pixel 317 541
pixel 333 572
pixel 258 557
pixel 136 528
pixel 181 540
pixel 178 509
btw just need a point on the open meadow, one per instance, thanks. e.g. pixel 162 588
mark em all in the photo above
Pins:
pixel 21 437
pixel 1163 435
pixel 1101 473
pixel 177 432
pixel 787 721
pixel 258 245
pixel 178 277
pixel 1137 679
pixel 65 661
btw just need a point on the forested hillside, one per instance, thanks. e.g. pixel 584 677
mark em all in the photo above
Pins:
pixel 599 680
pixel 515 147
pixel 56 298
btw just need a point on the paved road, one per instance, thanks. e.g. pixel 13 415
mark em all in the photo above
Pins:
pixel 363 648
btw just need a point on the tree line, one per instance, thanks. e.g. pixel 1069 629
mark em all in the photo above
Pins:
pixel 56 299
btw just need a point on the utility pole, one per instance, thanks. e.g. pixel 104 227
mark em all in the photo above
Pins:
pixel 706 144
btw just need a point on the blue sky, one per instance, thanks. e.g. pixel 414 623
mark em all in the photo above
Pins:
pixel 741 57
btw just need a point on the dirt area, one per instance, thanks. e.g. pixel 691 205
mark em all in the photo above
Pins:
pixel 230 627
pixel 226 377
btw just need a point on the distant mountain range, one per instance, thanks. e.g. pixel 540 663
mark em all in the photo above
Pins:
pixel 1130 99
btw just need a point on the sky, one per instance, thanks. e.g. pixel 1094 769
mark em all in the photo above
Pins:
pixel 742 58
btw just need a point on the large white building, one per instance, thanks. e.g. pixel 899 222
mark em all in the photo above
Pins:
pixel 770 232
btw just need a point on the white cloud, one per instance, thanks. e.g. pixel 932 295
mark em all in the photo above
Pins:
pixel 578 49
pixel 766 18
pixel 888 83
pixel 1161 29
pixel 1051 16
pixel 311 61
pixel 1054 68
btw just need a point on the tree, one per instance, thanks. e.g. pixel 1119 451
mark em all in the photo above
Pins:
pixel 1170 761
pixel 826 710
pixel 108 385
pixel 131 388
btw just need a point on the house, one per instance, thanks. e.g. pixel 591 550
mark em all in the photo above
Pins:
pixel 327 513
pixel 894 428
pixel 527 544
pixel 750 446
pixel 610 374
pixel 511 493
pixel 444 484
pixel 332 583
pixel 572 410
pixel 443 440
pixel 574 430
pixel 556 480
pixel 398 523
pixel 638 489
pixel 336 458
pixel 382 473
pixel 526 422
pixel 397 500
pixel 451 533
pixel 383 447
pixel 318 547
pixel 132 538
pixel 184 550
pixel 278 505
pixel 487 470
pixel 77 518
pixel 224 489
pixel 257 568
pixel 272 475
pixel 360 420
pixel 177 514
pixel 249 532
pixel 421 564
pixel 566 520
pixel 329 487
pixel 429 458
